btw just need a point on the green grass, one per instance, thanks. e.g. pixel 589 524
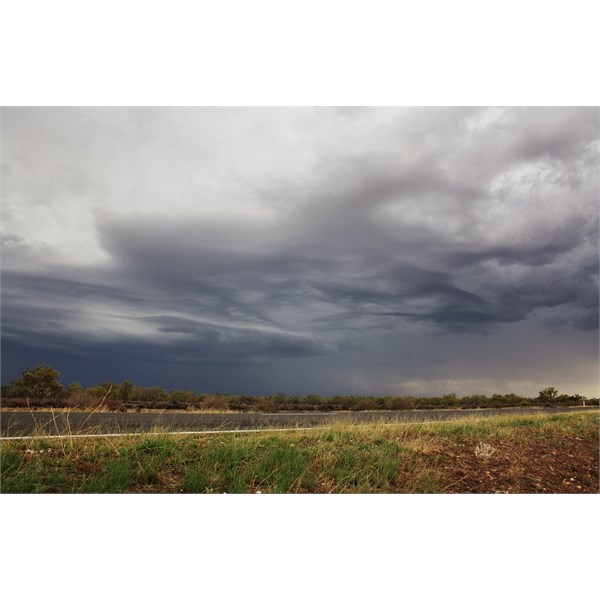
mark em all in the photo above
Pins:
pixel 117 476
pixel 342 458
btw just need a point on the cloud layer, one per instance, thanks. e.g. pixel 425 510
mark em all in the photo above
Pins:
pixel 303 250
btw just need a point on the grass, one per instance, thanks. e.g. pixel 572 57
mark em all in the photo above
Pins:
pixel 341 458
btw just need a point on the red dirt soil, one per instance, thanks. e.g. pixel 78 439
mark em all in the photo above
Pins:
pixel 552 465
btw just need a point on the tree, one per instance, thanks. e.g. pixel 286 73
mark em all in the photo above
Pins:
pixel 41 382
pixel 184 396
pixel 125 389
pixel 74 387
pixel 547 394
pixel 156 393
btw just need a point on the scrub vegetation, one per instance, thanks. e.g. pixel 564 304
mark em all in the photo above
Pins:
pixel 509 454
pixel 40 388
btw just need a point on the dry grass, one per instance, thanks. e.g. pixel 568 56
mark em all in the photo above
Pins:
pixel 339 458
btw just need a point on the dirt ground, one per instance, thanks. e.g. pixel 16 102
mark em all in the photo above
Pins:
pixel 565 465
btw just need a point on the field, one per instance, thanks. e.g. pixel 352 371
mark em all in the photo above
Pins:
pixel 510 454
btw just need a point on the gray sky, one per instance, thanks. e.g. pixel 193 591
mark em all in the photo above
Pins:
pixel 302 250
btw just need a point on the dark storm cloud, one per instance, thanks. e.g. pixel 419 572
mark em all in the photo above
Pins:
pixel 223 269
pixel 48 311
pixel 458 220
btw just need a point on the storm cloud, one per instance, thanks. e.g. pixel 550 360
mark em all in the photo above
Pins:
pixel 303 250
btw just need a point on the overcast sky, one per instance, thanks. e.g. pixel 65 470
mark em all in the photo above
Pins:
pixel 258 250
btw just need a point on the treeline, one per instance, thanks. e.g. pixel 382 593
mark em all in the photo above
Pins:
pixel 40 388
